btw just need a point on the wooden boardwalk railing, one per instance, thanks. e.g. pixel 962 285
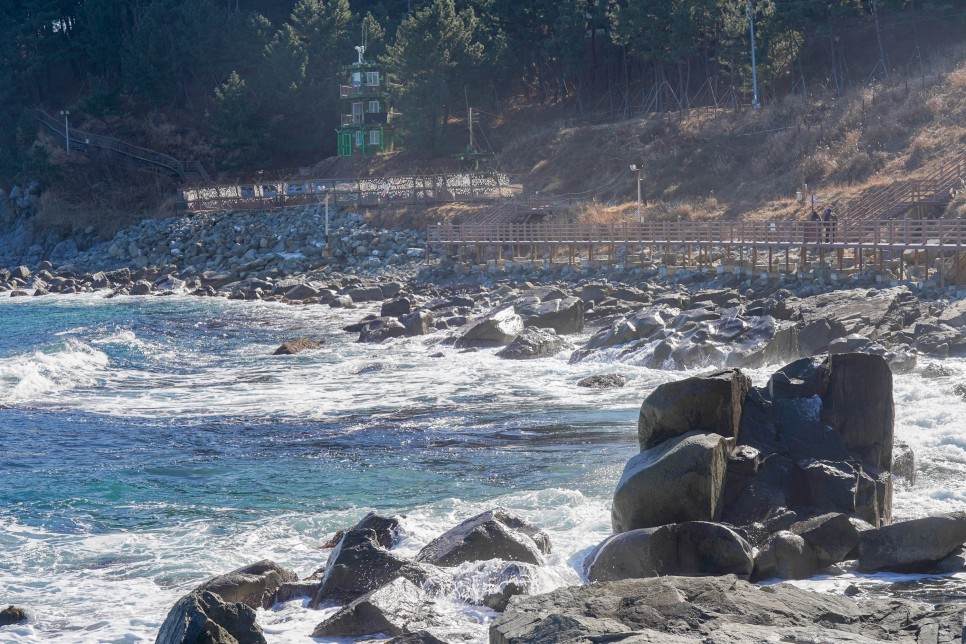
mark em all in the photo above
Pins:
pixel 944 234
pixel 756 246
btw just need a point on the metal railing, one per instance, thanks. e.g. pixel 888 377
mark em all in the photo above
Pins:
pixel 898 197
pixel 87 143
pixel 938 234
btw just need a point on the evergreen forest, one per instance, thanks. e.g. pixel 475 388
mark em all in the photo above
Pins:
pixel 255 83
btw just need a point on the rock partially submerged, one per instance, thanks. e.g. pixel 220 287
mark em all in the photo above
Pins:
pixel 495 534
pixel 12 615
pixel 296 346
pixel 603 381
pixel 203 616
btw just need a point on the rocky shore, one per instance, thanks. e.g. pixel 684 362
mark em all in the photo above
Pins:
pixel 734 486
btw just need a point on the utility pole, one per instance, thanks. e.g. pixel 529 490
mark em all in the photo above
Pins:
pixel 469 122
pixel 66 113
pixel 755 103
pixel 878 37
pixel 638 168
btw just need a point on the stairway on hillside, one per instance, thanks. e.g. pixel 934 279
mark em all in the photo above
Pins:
pixel 890 201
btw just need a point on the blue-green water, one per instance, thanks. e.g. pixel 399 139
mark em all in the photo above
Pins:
pixel 150 442
pixel 147 443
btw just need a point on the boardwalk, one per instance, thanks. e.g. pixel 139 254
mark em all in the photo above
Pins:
pixel 762 246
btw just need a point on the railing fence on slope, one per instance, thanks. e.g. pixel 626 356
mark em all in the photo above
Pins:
pixel 88 143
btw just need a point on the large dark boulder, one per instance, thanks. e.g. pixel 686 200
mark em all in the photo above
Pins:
pixel 831 537
pixel 396 308
pixel 418 323
pixel 358 565
pixel 366 294
pixel 711 404
pixel 12 615
pixel 254 585
pixel 495 534
pixel 301 292
pixel 202 617
pixel 396 608
pixel 496 329
pixel 785 555
pixel 696 548
pixel 533 343
pixel 381 329
pixel 911 546
pixel 716 609
pixel 565 315
pixel 680 480
pixel 858 405
pixel 386 528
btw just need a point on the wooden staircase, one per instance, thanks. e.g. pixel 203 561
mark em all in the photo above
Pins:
pixel 125 153
pixel 894 200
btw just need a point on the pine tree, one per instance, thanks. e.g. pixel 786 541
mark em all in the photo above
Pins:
pixel 431 59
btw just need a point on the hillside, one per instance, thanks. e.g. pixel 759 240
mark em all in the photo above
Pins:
pixel 749 164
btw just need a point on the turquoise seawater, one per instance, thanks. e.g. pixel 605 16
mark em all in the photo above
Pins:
pixel 148 443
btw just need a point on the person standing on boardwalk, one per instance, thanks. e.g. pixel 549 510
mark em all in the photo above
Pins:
pixel 813 228
pixel 830 220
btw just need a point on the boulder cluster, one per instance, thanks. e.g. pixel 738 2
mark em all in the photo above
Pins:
pixel 780 481
pixel 377 591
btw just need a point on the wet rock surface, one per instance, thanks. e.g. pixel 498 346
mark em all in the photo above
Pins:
pixel 719 609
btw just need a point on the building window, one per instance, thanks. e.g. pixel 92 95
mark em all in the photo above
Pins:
pixel 374 137
pixel 373 107
pixel 372 79
pixel 359 139
pixel 356 79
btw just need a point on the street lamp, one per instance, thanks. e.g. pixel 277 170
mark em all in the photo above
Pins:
pixel 638 168
pixel 65 114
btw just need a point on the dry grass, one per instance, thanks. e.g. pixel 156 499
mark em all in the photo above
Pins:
pixel 748 164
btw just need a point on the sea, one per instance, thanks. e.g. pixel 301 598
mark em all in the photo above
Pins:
pixel 148 443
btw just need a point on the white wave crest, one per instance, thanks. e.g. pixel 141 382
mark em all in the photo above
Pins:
pixel 67 365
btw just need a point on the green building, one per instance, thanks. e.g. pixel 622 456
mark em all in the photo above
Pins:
pixel 366 123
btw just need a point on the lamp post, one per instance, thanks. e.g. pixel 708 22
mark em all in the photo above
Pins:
pixel 638 168
pixel 755 102
pixel 66 113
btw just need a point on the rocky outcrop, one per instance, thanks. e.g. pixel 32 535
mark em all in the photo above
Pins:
pixel 785 556
pixel 202 617
pixel 603 381
pixel 495 534
pixel 718 609
pixel 710 404
pixel 695 548
pixel 296 346
pixel 358 565
pixel 254 585
pixel 682 479
pixel 381 329
pixel 533 343
pixel 911 546
pixel 396 608
pixel 496 329
pixel 564 315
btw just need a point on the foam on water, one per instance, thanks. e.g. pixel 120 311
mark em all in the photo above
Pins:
pixel 194 468
pixel 57 368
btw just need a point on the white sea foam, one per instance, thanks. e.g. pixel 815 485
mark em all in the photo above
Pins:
pixel 35 376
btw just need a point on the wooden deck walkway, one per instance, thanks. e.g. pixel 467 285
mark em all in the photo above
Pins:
pixel 771 246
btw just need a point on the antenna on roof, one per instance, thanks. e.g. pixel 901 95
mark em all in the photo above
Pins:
pixel 365 37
